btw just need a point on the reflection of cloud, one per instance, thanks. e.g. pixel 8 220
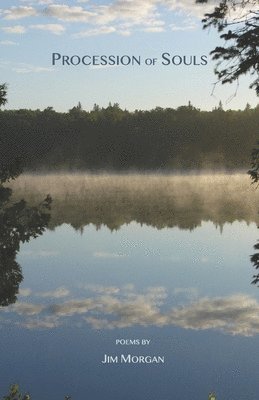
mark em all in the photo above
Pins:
pixel 45 323
pixel 39 253
pixel 73 307
pixel 188 293
pixel 129 313
pixel 237 314
pixel 24 292
pixel 112 307
pixel 56 294
pixel 103 254
pixel 204 260
pixel 102 289
pixel 27 308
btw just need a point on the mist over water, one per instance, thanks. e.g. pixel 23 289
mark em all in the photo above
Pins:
pixel 159 200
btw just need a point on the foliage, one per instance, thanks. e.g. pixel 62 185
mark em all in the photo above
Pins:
pixel 237 21
pixel 15 394
pixel 254 171
pixel 3 94
pixel 19 222
pixel 255 261
pixel 114 139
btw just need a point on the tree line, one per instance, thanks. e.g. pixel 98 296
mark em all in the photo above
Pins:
pixel 115 139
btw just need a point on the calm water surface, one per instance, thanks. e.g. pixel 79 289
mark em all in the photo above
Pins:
pixel 161 260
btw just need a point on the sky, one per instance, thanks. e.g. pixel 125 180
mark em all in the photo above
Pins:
pixel 32 30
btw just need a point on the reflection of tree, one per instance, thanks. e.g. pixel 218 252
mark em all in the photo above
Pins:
pixel 160 201
pixel 18 224
pixel 254 174
pixel 255 261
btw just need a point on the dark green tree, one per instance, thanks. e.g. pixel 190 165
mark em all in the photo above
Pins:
pixel 3 94
pixel 19 222
pixel 15 394
pixel 237 21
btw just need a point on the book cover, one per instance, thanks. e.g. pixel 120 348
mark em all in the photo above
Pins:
pixel 127 217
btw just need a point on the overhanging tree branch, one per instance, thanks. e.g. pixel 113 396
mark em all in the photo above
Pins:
pixel 238 25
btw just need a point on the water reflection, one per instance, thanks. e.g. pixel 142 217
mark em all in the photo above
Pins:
pixel 111 307
pixel 255 261
pixel 19 222
pixel 161 201
pixel 187 290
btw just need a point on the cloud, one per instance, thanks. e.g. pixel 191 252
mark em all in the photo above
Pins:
pixel 68 13
pixel 56 294
pixel 101 67
pixel 15 13
pixel 135 11
pixel 7 43
pixel 17 29
pixel 189 7
pixel 32 69
pixel 39 2
pixel 56 29
pixel 4 64
pixel 121 16
pixel 154 29
pixel 23 68
pixel 183 27
pixel 44 2
pixel 104 30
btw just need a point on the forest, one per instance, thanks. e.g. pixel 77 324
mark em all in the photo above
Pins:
pixel 114 139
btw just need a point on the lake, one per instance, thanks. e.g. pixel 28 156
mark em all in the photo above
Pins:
pixel 130 258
